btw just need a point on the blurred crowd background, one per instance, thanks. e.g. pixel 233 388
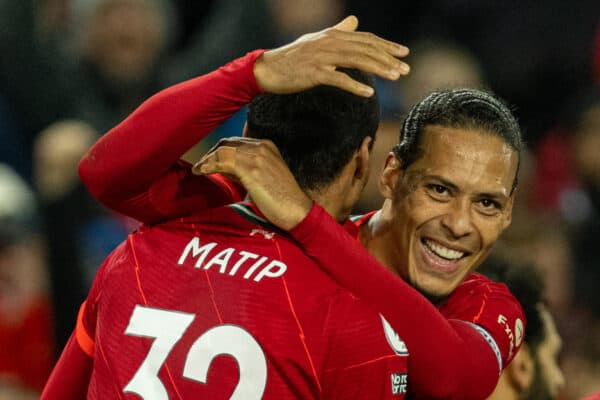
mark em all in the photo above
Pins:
pixel 72 69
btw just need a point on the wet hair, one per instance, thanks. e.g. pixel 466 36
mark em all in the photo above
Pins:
pixel 318 130
pixel 458 108
pixel 526 284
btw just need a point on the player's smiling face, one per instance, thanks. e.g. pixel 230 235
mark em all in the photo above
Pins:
pixel 448 207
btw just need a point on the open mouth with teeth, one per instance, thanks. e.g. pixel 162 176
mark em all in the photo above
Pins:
pixel 441 255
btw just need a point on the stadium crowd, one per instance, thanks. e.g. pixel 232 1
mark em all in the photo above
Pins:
pixel 72 69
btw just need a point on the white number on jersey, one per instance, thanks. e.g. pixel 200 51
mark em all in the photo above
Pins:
pixel 167 327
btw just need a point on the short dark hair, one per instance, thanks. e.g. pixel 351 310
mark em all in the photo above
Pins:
pixel 458 108
pixel 526 284
pixel 318 130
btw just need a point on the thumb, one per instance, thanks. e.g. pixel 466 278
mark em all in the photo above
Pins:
pixel 348 24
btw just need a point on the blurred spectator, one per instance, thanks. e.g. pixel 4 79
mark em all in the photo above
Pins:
pixel 12 148
pixel 586 236
pixel 57 152
pixel 435 64
pixel 232 28
pixel 568 185
pixel 118 50
pixel 26 341
pixel 534 53
pixel 80 232
pixel 534 373
pixel 596 55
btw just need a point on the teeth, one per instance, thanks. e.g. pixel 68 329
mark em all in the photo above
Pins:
pixel 444 252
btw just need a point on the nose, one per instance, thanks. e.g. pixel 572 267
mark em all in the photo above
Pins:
pixel 457 219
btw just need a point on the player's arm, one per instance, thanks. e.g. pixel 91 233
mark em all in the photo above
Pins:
pixel 132 169
pixel 449 359
pixel 71 374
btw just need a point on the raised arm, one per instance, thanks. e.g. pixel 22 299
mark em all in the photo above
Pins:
pixel 133 169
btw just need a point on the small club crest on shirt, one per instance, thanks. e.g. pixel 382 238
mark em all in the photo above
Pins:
pixel 393 338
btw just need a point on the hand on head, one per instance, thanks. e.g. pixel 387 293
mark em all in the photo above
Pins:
pixel 312 60
pixel 259 167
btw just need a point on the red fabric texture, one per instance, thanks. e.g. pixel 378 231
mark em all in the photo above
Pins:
pixel 320 340
pixel 448 358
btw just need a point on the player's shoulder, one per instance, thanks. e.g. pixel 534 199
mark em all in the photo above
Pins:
pixel 476 284
pixel 477 296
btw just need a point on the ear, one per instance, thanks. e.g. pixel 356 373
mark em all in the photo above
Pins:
pixel 389 176
pixel 521 369
pixel 362 161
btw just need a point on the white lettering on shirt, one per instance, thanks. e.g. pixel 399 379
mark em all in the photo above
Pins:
pixel 231 260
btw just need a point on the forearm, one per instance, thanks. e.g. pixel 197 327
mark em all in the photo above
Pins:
pixel 450 353
pixel 128 159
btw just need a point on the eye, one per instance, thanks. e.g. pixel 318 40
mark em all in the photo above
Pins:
pixel 437 191
pixel 489 207
pixel 488 203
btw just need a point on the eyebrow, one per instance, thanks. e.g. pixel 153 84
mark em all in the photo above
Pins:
pixel 445 182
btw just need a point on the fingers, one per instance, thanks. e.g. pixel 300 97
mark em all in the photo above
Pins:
pixel 313 58
pixel 236 156
pixel 220 160
pixel 368 58
pixel 368 52
pixel 348 24
pixel 393 48
pixel 342 81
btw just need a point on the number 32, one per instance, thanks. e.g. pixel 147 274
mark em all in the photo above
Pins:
pixel 167 328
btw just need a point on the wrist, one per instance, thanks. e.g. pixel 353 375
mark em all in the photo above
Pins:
pixel 261 73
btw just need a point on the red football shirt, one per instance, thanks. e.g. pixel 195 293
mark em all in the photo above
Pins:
pixel 450 357
pixel 222 305
pixel 488 306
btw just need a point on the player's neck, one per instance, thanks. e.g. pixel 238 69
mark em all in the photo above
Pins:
pixel 376 236
pixel 329 199
pixel 504 390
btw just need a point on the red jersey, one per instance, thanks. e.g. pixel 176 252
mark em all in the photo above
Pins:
pixel 222 305
pixel 488 306
pixel 449 357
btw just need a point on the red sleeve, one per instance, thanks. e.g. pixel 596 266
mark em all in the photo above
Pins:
pixel 490 306
pixel 133 169
pixel 71 374
pixel 448 358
